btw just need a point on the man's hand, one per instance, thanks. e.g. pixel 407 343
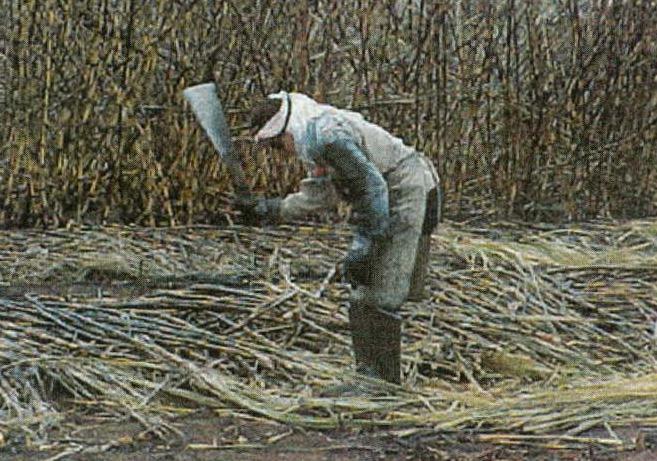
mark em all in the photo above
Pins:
pixel 357 265
pixel 258 210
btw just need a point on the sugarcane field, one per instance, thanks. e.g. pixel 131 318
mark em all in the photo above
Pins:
pixel 328 230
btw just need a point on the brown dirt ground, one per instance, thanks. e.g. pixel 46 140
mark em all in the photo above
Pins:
pixel 206 436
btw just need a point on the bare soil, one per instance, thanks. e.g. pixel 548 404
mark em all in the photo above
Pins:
pixel 206 436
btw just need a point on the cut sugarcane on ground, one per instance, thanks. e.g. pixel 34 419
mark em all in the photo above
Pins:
pixel 532 336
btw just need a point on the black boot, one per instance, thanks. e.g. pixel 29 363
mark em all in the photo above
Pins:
pixel 385 346
pixel 376 339
pixel 359 324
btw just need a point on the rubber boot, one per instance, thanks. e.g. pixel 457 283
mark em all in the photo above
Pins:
pixel 417 288
pixel 385 346
pixel 376 339
pixel 359 324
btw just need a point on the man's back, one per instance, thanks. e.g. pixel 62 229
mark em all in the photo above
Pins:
pixel 380 147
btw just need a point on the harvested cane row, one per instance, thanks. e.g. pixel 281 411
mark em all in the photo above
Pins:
pixel 527 331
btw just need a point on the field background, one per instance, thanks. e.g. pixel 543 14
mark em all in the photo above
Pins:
pixel 539 110
pixel 162 335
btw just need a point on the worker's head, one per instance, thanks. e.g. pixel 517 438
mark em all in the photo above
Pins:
pixel 261 113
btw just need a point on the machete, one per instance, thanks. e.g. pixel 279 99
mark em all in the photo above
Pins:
pixel 207 108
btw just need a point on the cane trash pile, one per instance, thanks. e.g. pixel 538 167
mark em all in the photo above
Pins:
pixel 530 333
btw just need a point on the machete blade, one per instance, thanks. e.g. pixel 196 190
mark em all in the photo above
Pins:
pixel 208 110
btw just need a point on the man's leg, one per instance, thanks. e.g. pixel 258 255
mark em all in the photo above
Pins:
pixel 378 303
pixel 359 324
pixel 422 257
pixel 376 339
pixel 416 292
pixel 374 317
pixel 374 309
pixel 385 345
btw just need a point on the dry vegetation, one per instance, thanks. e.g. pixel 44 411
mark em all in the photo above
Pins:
pixel 530 335
pixel 539 109
pixel 543 110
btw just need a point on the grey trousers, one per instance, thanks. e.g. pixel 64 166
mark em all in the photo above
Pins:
pixel 397 270
pixel 393 264
pixel 423 254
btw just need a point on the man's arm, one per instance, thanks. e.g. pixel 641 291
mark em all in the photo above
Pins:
pixel 367 190
pixel 315 194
